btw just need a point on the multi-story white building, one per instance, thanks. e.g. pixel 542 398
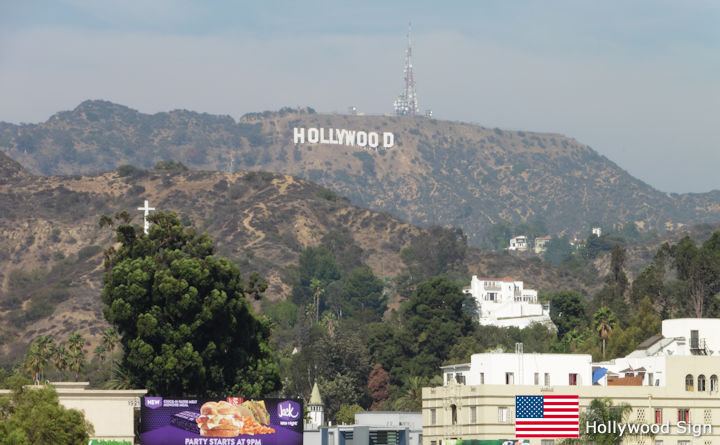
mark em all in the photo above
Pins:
pixel 500 368
pixel 505 302
pixel 671 377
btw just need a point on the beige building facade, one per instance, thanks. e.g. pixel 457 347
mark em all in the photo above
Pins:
pixel 487 412
pixel 111 412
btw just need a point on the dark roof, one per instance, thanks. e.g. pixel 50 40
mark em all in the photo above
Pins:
pixel 650 341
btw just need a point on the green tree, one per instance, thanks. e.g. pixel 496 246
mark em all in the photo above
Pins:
pixel 436 320
pixel 314 263
pixel 604 321
pixel 643 324
pixel 699 271
pixel 411 394
pixel 110 340
pixel 558 249
pixel 346 414
pixel 61 360
pixel 33 415
pixel 76 354
pixel 363 295
pixel 567 311
pixel 182 314
pixel 34 362
pixel 498 237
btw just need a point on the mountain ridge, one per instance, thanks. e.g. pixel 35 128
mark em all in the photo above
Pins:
pixel 447 173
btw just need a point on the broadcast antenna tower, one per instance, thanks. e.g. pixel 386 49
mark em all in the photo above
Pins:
pixel 406 103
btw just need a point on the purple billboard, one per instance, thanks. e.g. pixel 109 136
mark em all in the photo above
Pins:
pixel 232 421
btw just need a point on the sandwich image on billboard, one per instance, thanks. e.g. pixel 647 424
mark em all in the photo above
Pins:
pixel 232 421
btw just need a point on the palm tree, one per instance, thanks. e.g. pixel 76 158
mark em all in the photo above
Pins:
pixel 60 358
pixel 121 378
pixel 604 322
pixel 34 362
pixel 46 349
pixel 76 362
pixel 75 345
pixel 110 340
pixel 411 400
pixel 100 352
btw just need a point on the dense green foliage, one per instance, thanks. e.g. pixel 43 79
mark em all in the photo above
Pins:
pixel 33 415
pixel 182 314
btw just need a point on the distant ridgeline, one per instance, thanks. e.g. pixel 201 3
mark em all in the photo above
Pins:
pixel 336 136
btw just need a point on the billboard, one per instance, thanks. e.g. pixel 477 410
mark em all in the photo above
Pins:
pixel 231 421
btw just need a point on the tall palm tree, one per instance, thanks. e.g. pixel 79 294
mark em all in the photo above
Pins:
pixel 100 352
pixel 604 322
pixel 76 362
pixel 46 349
pixel 75 345
pixel 110 340
pixel 60 358
pixel 34 362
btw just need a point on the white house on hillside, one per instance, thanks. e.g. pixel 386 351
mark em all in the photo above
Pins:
pixel 504 302
pixel 519 242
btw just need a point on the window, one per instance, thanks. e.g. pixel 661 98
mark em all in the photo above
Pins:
pixel 572 379
pixel 473 414
pixel 547 379
pixel 449 377
pixel 453 414
pixel 537 378
pixel 701 382
pixel 509 378
pixel 713 383
pixel 460 378
pixel 482 378
pixel 433 416
pixel 683 415
pixel 688 382
pixel 502 414
pixel 658 415
pixel 658 442
pixel 694 339
pixel 650 379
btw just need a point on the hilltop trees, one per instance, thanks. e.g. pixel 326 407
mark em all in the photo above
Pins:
pixel 182 314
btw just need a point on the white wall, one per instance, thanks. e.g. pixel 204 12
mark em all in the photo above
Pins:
pixel 708 329
pixel 495 366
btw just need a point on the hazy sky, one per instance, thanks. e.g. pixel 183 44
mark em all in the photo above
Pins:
pixel 639 80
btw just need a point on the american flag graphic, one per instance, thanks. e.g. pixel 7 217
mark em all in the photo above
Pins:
pixel 547 416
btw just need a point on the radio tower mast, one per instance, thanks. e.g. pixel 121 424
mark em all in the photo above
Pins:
pixel 406 103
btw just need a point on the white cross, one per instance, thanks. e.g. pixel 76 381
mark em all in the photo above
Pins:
pixel 147 212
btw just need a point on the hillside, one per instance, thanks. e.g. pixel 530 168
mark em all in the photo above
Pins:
pixel 438 172
pixel 51 244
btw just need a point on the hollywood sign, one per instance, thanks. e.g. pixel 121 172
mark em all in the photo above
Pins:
pixel 339 136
